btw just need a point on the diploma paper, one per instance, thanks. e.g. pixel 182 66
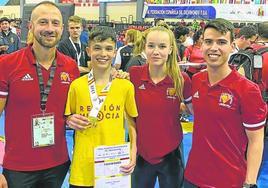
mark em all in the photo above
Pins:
pixel 108 160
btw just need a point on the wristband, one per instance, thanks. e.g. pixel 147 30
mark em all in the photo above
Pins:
pixel 246 185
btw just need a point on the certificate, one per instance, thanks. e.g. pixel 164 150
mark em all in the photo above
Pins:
pixel 113 182
pixel 108 160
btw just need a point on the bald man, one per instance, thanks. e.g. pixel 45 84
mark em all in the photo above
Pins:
pixel 33 89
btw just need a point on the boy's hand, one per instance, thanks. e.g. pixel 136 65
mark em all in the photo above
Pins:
pixel 128 169
pixel 77 122
pixel 3 181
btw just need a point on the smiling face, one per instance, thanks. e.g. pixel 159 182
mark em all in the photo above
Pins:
pixel 46 25
pixel 157 48
pixel 5 26
pixel 102 53
pixel 216 48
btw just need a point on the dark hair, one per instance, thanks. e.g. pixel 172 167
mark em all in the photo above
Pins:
pixel 180 31
pixel 221 25
pixel 197 35
pixel 4 19
pixel 101 33
pixel 247 31
pixel 263 29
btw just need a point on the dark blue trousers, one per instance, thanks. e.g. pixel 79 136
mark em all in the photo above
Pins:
pixel 169 172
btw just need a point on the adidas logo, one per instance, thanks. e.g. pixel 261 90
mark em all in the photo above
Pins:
pixel 142 86
pixel 196 95
pixel 27 77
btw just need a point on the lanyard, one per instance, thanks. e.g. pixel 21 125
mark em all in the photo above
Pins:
pixel 45 91
pixel 97 101
pixel 78 55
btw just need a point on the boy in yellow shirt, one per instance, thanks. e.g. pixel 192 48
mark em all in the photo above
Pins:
pixel 96 107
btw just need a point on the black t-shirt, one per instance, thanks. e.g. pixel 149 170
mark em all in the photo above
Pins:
pixel 126 54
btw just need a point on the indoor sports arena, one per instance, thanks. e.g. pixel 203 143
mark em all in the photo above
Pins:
pixel 133 94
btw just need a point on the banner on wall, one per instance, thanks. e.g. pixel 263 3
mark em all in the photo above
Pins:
pixel 180 12
pixel 252 12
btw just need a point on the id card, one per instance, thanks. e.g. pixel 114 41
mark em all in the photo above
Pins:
pixel 43 133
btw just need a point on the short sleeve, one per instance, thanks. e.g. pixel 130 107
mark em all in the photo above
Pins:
pixel 130 104
pixel 3 78
pixel 187 89
pixel 71 101
pixel 253 108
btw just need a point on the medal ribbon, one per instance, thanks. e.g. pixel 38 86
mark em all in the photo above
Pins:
pixel 97 101
pixel 44 91
pixel 78 55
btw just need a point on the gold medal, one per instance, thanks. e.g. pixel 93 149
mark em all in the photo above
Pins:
pixel 92 121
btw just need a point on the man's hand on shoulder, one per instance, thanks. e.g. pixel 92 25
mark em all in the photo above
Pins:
pixel 119 74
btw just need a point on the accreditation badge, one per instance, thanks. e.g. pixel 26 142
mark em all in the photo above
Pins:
pixel 43 130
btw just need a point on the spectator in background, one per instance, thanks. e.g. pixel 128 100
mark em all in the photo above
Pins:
pixel 182 23
pixel 202 24
pixel 194 54
pixel 9 41
pixel 158 21
pixel 189 38
pixel 181 33
pixel 85 33
pixel 73 47
pixel 120 39
pixel 13 26
pixel 195 25
pixel 246 36
pixel 262 42
pixel 139 56
pixel 124 53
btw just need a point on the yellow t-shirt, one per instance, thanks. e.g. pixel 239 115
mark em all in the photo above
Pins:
pixel 110 125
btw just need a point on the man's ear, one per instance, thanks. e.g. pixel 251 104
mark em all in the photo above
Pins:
pixel 30 25
pixel 233 45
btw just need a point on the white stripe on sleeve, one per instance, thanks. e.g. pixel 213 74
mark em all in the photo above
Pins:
pixel 188 99
pixel 254 125
pixel 3 93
